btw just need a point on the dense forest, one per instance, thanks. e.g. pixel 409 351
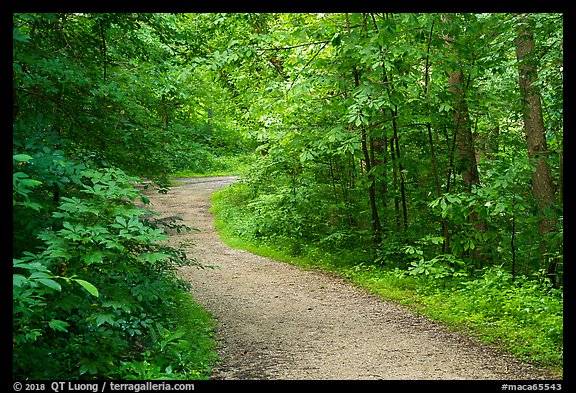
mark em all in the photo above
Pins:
pixel 416 151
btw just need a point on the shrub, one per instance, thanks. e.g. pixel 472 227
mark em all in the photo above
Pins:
pixel 100 292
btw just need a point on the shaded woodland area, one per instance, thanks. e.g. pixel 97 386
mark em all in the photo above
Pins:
pixel 420 147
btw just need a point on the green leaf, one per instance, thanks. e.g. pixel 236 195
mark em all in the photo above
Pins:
pixel 500 207
pixel 105 318
pixel 58 325
pixel 121 220
pixel 50 283
pixel 88 365
pixel 336 40
pixel 153 257
pixel 445 108
pixel 94 257
pixel 32 205
pixel 21 157
pixel 87 286
pixel 18 280
pixel 17 35
pixel 30 182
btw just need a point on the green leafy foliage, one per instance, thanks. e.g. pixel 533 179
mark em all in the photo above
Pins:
pixel 166 117
pixel 102 289
pixel 525 314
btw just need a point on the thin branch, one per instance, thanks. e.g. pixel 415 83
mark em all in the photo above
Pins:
pixel 306 65
pixel 294 46
pixel 103 36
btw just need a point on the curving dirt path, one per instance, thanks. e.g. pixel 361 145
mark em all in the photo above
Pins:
pixel 276 321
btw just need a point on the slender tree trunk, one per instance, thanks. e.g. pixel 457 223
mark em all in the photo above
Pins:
pixel 401 167
pixel 535 137
pixel 395 145
pixel 428 125
pixel 352 171
pixel 395 184
pixel 464 143
pixel 104 50
pixel 466 152
pixel 344 183
pixel 333 181
pixel 451 170
pixel 376 225
pixel 492 145
pixel 379 145
pixel 164 112
pixel 464 140
pixel 382 143
pixel 446 234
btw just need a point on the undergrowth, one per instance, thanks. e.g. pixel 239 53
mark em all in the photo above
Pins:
pixel 186 351
pixel 217 166
pixel 100 296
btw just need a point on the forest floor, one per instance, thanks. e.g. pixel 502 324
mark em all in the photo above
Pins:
pixel 278 321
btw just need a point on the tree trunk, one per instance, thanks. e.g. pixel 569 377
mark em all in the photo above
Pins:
pixel 535 137
pixel 395 184
pixel 402 181
pixel 380 149
pixel 103 48
pixel 376 225
pixel 463 143
pixel 446 234
pixel 395 145
pixel 464 140
pixel 466 163
pixel 164 111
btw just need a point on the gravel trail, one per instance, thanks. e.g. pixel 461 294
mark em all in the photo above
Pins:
pixel 276 321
